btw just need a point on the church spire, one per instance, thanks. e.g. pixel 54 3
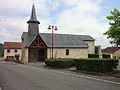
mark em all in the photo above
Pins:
pixel 33 23
pixel 33 16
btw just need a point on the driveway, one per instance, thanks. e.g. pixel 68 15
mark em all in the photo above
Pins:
pixel 23 77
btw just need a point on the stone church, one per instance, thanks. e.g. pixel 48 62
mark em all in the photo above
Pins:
pixel 38 46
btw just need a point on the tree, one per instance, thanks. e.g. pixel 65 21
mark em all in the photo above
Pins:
pixel 114 31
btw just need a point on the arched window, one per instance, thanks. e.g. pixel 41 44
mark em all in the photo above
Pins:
pixel 67 52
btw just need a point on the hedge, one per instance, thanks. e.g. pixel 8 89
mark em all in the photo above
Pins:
pixel 97 56
pixel 93 56
pixel 60 62
pixel 96 65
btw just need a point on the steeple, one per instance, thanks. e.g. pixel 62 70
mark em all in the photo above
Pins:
pixel 33 27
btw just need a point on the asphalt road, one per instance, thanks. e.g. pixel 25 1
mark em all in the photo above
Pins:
pixel 24 77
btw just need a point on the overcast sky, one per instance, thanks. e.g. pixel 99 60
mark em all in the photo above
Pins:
pixel 82 17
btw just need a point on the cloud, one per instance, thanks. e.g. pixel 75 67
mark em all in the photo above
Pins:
pixel 23 7
pixel 82 18
pixel 12 28
pixel 75 17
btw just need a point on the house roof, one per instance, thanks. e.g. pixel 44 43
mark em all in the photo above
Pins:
pixel 110 49
pixel 60 40
pixel 12 45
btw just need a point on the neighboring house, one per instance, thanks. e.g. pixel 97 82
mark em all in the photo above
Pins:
pixel 37 46
pixel 12 50
pixel 113 51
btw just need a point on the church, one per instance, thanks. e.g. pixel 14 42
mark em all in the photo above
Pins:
pixel 38 46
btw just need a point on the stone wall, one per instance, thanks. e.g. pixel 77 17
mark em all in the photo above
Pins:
pixel 24 55
pixel 73 53
pixel 91 47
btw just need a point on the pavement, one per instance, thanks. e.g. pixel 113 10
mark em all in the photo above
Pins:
pixel 15 76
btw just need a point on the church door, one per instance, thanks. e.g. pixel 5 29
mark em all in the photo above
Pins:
pixel 37 50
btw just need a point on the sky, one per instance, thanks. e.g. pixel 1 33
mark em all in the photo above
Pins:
pixel 81 17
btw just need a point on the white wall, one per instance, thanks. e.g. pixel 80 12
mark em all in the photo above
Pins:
pixel 91 47
pixel 12 52
pixel 73 53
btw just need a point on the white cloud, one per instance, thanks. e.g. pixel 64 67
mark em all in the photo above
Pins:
pixel 12 28
pixel 21 7
pixel 82 19
pixel 76 17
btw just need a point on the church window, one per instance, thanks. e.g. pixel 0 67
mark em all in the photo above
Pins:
pixel 67 52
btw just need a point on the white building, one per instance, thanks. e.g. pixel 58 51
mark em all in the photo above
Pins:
pixel 12 50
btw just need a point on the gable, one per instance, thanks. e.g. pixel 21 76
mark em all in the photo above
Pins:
pixel 38 43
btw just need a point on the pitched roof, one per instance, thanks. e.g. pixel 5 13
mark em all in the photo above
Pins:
pixel 60 40
pixel 12 45
pixel 110 49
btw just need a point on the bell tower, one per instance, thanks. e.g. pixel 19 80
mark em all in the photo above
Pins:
pixel 33 23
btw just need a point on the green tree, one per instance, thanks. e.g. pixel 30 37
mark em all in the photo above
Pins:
pixel 114 31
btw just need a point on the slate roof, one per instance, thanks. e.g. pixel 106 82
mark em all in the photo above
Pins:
pixel 110 49
pixel 12 45
pixel 33 16
pixel 60 40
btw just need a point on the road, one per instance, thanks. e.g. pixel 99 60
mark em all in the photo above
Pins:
pixel 23 77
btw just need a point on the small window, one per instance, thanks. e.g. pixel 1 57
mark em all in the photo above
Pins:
pixel 8 50
pixel 67 52
pixel 15 51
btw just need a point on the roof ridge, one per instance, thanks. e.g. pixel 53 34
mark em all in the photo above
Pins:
pixel 65 34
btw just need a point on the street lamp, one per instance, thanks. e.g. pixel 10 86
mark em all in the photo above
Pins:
pixel 52 27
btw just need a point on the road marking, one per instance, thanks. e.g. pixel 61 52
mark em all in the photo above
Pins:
pixel 81 76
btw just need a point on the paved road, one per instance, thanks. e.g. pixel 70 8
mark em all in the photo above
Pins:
pixel 23 77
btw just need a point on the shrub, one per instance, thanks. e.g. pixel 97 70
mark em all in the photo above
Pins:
pixel 96 64
pixel 60 62
pixel 93 56
pixel 97 56
pixel 106 56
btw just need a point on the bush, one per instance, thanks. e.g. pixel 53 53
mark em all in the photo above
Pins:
pixel 97 56
pixel 60 62
pixel 106 56
pixel 96 64
pixel 93 56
